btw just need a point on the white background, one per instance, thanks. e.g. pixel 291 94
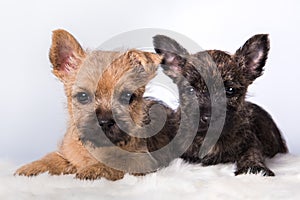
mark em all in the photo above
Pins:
pixel 32 103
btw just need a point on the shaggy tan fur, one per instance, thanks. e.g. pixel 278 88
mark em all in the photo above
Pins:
pixel 98 72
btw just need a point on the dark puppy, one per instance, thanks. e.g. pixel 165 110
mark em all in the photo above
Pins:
pixel 249 134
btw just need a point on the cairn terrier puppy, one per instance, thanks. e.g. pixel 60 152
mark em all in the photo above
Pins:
pixel 109 119
pixel 249 134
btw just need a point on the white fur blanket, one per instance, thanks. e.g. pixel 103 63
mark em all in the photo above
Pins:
pixel 178 181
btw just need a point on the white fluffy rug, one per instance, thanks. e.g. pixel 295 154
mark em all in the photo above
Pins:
pixel 178 181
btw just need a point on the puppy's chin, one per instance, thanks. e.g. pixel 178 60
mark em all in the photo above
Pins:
pixel 116 136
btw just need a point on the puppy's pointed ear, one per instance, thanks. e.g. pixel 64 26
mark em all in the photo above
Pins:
pixel 147 60
pixel 253 55
pixel 66 54
pixel 143 63
pixel 173 54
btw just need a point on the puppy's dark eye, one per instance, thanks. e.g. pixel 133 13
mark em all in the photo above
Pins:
pixel 230 91
pixel 190 90
pixel 83 97
pixel 127 97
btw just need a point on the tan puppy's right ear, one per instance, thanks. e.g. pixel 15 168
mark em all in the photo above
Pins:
pixel 66 54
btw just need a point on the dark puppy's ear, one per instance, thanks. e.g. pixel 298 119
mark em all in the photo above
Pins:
pixel 253 55
pixel 66 54
pixel 173 54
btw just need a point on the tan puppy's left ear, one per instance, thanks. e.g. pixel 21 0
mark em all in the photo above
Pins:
pixel 148 61
pixel 66 54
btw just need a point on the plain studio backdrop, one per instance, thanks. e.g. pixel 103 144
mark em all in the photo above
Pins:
pixel 33 105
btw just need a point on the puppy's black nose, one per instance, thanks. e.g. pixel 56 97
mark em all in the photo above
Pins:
pixel 106 122
pixel 205 118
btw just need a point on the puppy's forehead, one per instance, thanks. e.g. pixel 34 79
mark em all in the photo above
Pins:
pixel 92 68
pixel 227 65
pixel 112 74
pixel 127 70
pixel 222 59
pixel 200 67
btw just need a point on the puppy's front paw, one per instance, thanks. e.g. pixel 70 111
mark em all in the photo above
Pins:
pixel 32 169
pixel 255 170
pixel 53 163
pixel 98 171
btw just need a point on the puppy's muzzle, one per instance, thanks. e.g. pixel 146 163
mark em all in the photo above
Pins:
pixel 205 118
pixel 106 123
